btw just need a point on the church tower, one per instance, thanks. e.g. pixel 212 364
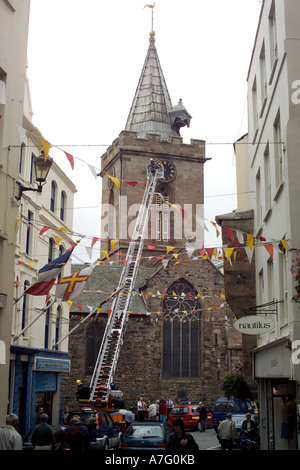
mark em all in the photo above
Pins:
pixel 179 340
pixel 152 131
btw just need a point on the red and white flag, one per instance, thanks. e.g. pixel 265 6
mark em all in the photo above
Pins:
pixel 48 273
pixel 70 287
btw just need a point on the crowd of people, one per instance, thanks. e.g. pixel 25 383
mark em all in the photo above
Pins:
pixel 154 411
pixel 75 437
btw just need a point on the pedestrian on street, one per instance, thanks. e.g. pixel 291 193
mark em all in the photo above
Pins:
pixel 181 442
pixel 129 417
pixel 169 404
pixel 249 427
pixel 141 409
pixel 162 410
pixel 75 439
pixel 152 411
pixel 227 433
pixel 59 440
pixel 10 439
pixel 42 436
pixel 202 417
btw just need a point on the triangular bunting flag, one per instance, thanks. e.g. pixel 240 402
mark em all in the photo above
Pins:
pixel 46 146
pixel 70 158
pixel 115 180
pixel 270 249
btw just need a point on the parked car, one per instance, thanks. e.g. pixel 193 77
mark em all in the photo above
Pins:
pixel 190 415
pixel 230 405
pixel 103 431
pixel 146 435
pixel 238 420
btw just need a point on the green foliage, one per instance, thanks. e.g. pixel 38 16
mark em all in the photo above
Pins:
pixel 233 385
pixel 295 269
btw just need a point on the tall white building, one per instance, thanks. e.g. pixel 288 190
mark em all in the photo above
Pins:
pixel 274 191
pixel 35 228
pixel 44 232
pixel 14 17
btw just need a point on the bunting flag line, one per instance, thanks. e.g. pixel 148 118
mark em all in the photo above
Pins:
pixel 48 274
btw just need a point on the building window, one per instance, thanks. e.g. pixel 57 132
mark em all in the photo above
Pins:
pixel 254 109
pixel 61 251
pixel 267 179
pixel 53 196
pixel 21 162
pixel 273 37
pixel 51 250
pixel 63 205
pixel 263 78
pixel 24 306
pixel 47 329
pixel 258 201
pixel 278 150
pixel 181 331
pixel 94 337
pixel 162 217
pixel 29 233
pixel 57 325
pixel 32 175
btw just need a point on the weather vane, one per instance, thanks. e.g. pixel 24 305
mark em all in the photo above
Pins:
pixel 151 6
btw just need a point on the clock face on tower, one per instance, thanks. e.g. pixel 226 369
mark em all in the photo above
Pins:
pixel 170 170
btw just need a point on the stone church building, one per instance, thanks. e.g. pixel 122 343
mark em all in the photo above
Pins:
pixel 179 340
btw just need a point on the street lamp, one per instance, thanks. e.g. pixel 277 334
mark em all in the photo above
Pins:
pixel 41 168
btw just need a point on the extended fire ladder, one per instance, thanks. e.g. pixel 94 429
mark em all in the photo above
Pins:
pixel 106 364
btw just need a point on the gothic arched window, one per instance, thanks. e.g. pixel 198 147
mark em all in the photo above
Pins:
pixel 181 331
pixel 94 337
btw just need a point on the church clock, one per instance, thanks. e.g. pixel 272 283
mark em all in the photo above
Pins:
pixel 170 170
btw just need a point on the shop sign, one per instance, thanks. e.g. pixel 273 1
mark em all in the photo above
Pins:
pixel 254 325
pixel 45 381
pixel 51 365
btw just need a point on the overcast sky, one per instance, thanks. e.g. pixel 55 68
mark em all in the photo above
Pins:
pixel 84 63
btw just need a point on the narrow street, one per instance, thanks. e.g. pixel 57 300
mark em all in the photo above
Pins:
pixel 207 440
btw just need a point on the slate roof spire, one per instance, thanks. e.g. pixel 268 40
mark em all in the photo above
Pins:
pixel 151 110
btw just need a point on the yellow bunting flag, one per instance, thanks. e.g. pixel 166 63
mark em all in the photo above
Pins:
pixel 62 229
pixel 285 247
pixel 215 225
pixel 46 146
pixel 69 303
pixel 172 205
pixel 176 255
pixel 115 180
pixel 105 253
pixel 250 241
pixel 170 248
pixel 228 252
pixel 17 223
pixel 57 240
pixel 113 244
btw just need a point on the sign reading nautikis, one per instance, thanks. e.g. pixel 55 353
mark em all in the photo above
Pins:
pixel 254 325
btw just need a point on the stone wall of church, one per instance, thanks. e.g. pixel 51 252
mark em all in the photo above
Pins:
pixel 139 370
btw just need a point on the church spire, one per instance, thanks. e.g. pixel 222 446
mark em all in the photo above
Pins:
pixel 151 110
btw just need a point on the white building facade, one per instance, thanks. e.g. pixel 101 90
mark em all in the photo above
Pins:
pixel 14 18
pixel 274 191
pixel 35 228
